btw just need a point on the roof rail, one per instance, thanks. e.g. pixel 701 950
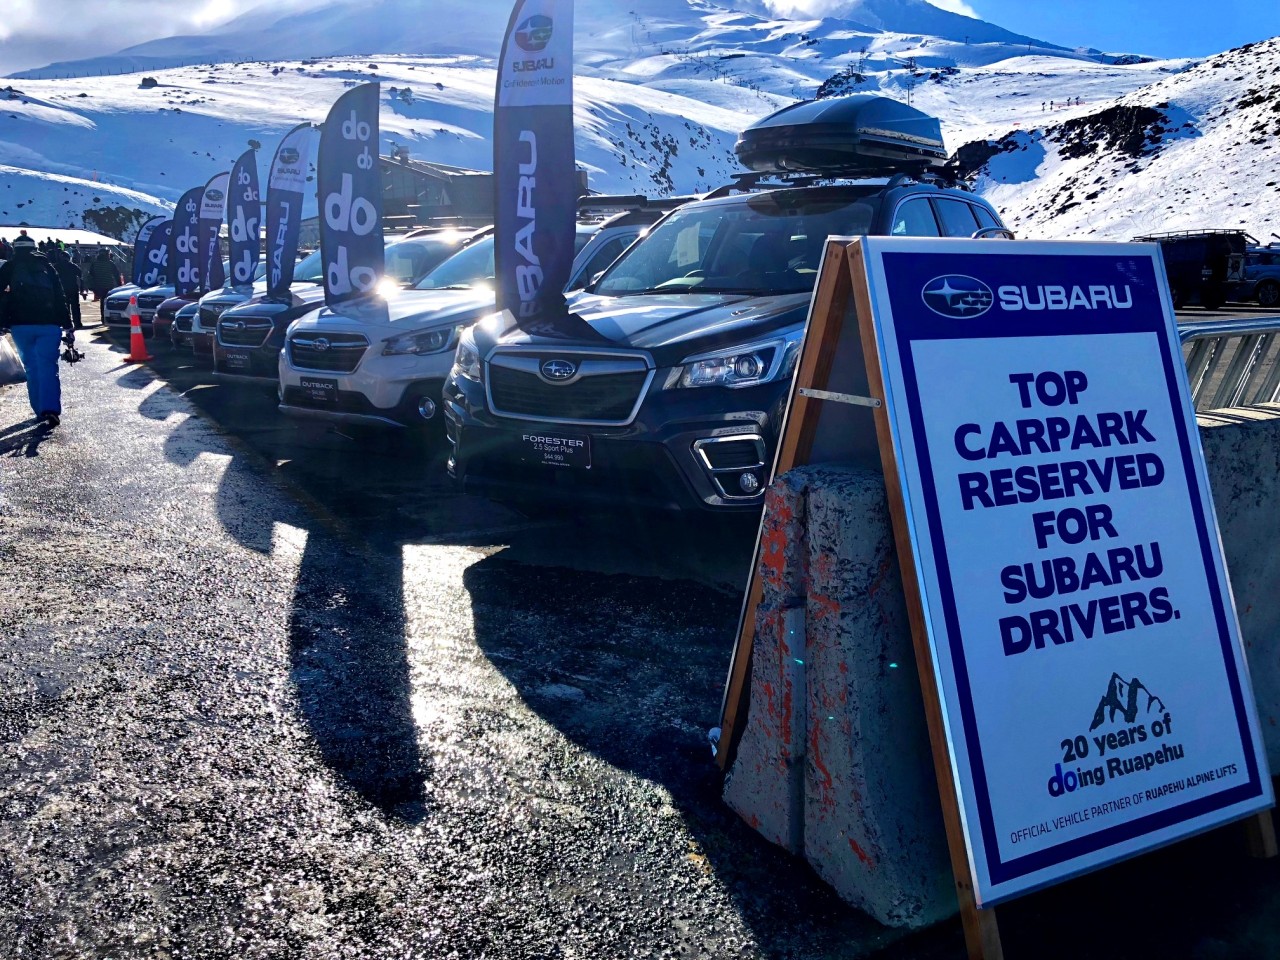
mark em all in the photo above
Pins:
pixel 1179 234
pixel 897 174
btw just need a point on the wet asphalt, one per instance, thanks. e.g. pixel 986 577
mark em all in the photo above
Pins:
pixel 270 691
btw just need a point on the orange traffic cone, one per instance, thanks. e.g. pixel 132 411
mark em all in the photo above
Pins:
pixel 137 345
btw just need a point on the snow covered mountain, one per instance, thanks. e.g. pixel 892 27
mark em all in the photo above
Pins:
pixel 1199 149
pixel 662 92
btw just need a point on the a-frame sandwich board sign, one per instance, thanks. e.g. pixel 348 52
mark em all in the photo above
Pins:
pixel 1083 675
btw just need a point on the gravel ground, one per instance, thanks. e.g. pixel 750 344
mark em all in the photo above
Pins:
pixel 270 695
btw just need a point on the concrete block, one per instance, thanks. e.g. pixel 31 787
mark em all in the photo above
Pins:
pixel 766 783
pixel 873 822
pixel 1242 450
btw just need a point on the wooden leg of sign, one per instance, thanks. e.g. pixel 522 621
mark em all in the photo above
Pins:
pixel 826 317
pixel 981 931
pixel 1260 830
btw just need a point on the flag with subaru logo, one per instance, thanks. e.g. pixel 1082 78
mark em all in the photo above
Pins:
pixel 184 244
pixel 155 259
pixel 140 243
pixel 244 214
pixel 213 206
pixel 533 164
pixel 349 183
pixel 286 186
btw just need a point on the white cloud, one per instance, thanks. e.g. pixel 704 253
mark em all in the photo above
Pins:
pixel 36 32
pixel 957 6
pixel 823 8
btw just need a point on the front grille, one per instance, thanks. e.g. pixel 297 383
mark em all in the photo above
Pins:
pixel 209 313
pixel 117 303
pixel 182 323
pixel 244 331
pixel 149 302
pixel 330 352
pixel 608 397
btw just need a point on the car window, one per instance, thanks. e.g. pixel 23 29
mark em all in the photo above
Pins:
pixel 985 217
pixel 604 255
pixel 957 217
pixel 762 244
pixel 914 218
pixel 309 269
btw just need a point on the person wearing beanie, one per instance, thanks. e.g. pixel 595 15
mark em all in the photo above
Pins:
pixel 72 283
pixel 34 308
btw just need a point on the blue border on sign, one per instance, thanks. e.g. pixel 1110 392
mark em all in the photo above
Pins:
pixel 906 275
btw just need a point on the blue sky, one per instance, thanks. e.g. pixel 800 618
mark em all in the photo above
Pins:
pixel 1167 28
pixel 35 32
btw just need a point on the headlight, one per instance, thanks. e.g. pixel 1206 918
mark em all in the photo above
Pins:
pixel 421 342
pixel 744 366
pixel 466 362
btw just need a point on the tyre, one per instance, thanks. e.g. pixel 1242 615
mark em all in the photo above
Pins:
pixel 1212 296
pixel 1268 293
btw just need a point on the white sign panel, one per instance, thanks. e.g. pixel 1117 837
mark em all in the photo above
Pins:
pixel 1085 643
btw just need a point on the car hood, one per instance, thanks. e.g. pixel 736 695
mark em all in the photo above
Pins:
pixel 301 295
pixel 404 312
pixel 164 292
pixel 673 326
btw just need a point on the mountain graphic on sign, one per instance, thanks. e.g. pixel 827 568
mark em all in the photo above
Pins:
pixel 1127 698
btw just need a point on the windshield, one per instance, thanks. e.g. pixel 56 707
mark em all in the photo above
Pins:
pixel 410 259
pixel 309 269
pixel 471 265
pixel 765 244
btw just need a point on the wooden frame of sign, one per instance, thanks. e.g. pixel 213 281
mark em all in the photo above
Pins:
pixel 844 278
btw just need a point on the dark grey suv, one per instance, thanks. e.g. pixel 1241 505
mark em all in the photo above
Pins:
pixel 676 399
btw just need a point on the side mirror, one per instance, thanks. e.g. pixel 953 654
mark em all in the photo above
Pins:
pixel 997 233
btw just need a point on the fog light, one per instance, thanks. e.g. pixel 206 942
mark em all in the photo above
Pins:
pixel 749 483
pixel 426 408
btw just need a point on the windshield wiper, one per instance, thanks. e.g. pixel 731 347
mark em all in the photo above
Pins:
pixel 450 286
pixel 746 291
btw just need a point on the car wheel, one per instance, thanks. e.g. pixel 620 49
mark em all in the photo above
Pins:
pixel 1179 297
pixel 1269 293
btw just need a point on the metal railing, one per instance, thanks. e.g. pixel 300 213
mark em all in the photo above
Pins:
pixel 1232 362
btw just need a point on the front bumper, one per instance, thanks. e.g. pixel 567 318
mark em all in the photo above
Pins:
pixel 202 346
pixel 674 455
pixel 257 364
pixel 380 392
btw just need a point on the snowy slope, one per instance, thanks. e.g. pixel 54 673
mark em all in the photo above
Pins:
pixel 662 92
pixel 1195 150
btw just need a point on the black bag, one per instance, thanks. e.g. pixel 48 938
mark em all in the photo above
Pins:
pixel 35 292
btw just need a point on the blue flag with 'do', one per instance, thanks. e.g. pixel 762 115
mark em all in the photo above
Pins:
pixel 350 193
pixel 244 214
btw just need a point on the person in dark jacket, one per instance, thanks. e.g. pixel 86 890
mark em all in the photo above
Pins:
pixel 72 284
pixel 103 275
pixel 35 311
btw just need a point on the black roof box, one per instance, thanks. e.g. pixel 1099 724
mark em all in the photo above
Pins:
pixel 859 133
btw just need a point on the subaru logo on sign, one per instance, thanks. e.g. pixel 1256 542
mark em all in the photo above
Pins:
pixel 534 33
pixel 289 155
pixel 214 196
pixel 559 370
pixel 320 343
pixel 957 296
